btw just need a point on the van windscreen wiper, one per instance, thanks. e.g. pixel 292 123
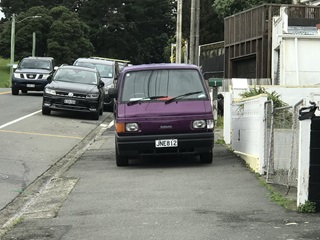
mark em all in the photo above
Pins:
pixel 182 96
pixel 145 99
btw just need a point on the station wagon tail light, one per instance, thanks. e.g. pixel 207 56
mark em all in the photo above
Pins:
pixel 92 95
pixel 50 91
pixel 199 124
pixel 132 127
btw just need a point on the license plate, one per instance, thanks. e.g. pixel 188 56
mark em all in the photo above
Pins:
pixel 69 101
pixel 31 85
pixel 166 143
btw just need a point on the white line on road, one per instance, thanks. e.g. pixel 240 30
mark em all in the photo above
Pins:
pixel 19 119
pixel 105 126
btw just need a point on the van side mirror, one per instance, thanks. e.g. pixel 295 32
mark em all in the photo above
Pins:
pixel 113 92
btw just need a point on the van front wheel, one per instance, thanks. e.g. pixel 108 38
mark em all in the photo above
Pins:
pixel 206 157
pixel 121 160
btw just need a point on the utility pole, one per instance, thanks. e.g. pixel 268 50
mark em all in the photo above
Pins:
pixel 33 44
pixel 13 30
pixel 179 31
pixel 197 25
pixel 192 32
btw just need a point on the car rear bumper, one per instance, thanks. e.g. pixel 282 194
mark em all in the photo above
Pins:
pixel 188 144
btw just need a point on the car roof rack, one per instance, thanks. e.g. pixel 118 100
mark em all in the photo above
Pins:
pixel 111 59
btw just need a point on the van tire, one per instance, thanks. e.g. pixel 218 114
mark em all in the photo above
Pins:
pixel 206 157
pixel 121 160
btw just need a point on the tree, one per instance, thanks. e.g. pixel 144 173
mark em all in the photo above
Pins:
pixel 136 30
pixel 24 31
pixel 229 7
pixel 60 34
pixel 69 37
pixel 20 6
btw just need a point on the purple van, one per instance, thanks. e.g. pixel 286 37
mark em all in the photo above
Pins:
pixel 162 109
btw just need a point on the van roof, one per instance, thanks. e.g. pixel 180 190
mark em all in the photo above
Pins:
pixel 160 66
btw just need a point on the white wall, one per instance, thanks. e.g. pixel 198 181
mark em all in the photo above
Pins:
pixel 247 131
pixel 300 58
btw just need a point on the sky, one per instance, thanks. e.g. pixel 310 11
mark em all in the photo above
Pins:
pixel 1 14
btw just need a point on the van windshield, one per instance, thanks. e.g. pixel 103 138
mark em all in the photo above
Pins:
pixel 165 82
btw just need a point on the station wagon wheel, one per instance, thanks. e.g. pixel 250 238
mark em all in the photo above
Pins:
pixel 46 111
pixel 96 115
pixel 206 157
pixel 14 91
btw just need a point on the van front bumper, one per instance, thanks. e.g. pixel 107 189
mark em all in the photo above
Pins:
pixel 31 85
pixel 188 144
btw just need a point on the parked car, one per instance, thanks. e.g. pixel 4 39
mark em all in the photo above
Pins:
pixel 31 74
pixel 162 109
pixel 74 88
pixel 109 71
pixel 121 63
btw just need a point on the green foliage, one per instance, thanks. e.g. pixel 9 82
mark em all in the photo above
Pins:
pixel 307 207
pixel 277 197
pixel 4 73
pixel 219 123
pixel 229 7
pixel 69 37
pixel 283 118
pixel 275 97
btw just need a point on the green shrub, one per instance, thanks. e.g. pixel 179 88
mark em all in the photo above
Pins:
pixel 4 73
pixel 307 207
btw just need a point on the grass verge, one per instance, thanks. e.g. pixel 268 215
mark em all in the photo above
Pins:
pixel 4 73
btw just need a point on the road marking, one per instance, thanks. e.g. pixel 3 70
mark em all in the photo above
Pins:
pixel 107 126
pixel 41 134
pixel 19 119
pixel 4 92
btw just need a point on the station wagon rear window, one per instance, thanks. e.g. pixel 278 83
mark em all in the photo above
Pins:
pixel 164 82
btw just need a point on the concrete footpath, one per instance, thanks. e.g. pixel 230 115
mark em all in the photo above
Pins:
pixel 88 197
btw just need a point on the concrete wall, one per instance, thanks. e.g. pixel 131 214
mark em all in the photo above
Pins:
pixel 300 58
pixel 247 131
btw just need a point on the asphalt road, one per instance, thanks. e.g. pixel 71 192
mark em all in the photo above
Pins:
pixel 155 198
pixel 31 143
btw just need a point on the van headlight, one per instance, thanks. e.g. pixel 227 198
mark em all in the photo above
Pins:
pixel 50 91
pixel 132 127
pixel 200 124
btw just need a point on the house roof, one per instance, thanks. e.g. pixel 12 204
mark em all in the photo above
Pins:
pixel 298 30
